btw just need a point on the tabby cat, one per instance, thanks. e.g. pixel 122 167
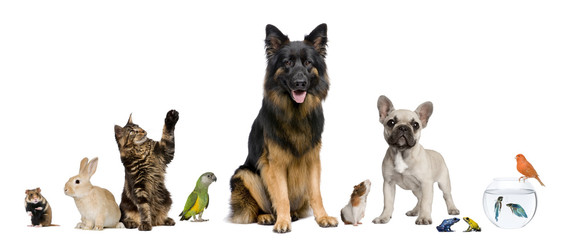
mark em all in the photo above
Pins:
pixel 145 201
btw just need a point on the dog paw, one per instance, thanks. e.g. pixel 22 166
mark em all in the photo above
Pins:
pixel 423 221
pixel 266 219
pixel 98 228
pixel 145 226
pixel 294 217
pixel 453 211
pixel 412 213
pixel 327 221
pixel 282 226
pixel 381 220
pixel 120 225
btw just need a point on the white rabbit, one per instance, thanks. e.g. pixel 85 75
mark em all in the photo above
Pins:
pixel 96 205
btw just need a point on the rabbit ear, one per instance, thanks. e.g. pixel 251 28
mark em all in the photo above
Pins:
pixel 82 165
pixel 92 166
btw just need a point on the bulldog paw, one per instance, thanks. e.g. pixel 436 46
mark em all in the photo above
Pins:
pixel 382 219
pixel 412 213
pixel 423 221
pixel 453 211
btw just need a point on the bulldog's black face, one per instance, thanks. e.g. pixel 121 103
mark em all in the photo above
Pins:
pixel 403 131
pixel 402 127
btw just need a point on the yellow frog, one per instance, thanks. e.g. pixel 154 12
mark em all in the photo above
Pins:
pixel 472 226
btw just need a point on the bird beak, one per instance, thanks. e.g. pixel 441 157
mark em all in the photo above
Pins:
pixel 215 178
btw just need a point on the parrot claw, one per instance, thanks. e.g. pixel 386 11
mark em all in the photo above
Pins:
pixel 200 220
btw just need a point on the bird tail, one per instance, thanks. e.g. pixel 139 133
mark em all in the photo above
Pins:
pixel 182 216
pixel 539 180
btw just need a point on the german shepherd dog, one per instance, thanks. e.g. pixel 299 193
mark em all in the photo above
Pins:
pixel 280 179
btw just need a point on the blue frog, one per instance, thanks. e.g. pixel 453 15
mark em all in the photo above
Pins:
pixel 446 224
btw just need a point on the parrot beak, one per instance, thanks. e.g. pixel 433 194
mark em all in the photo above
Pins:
pixel 215 178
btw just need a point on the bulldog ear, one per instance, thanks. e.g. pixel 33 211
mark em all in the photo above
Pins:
pixel 318 39
pixel 424 111
pixel 385 106
pixel 275 40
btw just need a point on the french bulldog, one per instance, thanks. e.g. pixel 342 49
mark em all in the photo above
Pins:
pixel 408 164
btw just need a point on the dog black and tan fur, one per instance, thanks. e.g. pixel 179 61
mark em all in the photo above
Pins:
pixel 280 180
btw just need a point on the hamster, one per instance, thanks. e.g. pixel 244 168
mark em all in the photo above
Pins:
pixel 354 211
pixel 38 208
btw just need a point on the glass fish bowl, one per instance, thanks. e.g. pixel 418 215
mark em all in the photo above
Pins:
pixel 510 203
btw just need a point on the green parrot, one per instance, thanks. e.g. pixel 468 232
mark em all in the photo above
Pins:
pixel 198 200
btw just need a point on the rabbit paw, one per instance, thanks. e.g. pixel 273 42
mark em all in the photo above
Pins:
pixel 79 225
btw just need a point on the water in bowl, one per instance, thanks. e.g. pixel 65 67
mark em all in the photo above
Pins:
pixel 524 197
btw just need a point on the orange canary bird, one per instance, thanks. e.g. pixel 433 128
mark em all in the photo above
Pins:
pixel 525 168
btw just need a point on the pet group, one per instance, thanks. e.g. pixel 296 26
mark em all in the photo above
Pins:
pixel 280 180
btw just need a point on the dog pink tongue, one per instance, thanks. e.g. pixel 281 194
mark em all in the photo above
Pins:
pixel 299 96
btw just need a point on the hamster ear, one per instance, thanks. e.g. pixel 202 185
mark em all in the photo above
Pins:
pixel 38 190
pixel 385 106
pixel 318 39
pixel 424 111
pixel 92 166
pixel 275 40
pixel 27 191
pixel 82 165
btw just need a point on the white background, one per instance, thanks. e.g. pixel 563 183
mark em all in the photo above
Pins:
pixel 496 71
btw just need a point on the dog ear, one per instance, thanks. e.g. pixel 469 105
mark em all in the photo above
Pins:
pixel 318 39
pixel 424 111
pixel 275 40
pixel 385 106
